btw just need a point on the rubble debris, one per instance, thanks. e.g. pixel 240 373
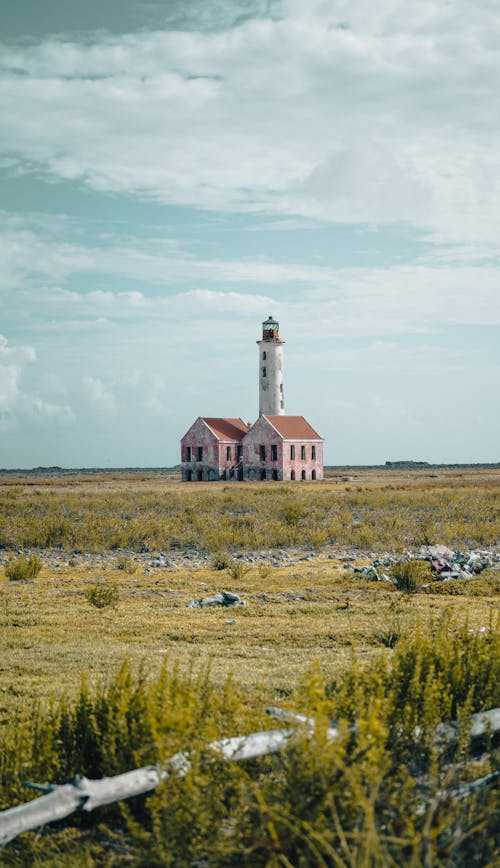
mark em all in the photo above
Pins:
pixel 225 598
pixel 446 564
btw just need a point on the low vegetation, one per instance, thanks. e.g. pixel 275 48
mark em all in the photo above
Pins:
pixel 22 569
pixel 457 510
pixel 102 596
pixel 388 662
pixel 369 798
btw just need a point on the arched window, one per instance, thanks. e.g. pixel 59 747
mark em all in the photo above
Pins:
pixel 200 474
pixel 189 475
pixel 292 474
pixel 262 473
pixel 313 474
pixel 303 474
pixel 274 473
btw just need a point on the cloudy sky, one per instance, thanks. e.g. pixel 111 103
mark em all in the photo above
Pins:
pixel 171 173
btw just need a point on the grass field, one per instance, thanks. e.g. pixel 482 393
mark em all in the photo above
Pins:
pixel 103 532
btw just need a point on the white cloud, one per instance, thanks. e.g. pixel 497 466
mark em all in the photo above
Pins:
pixel 98 393
pixel 338 111
pixel 16 353
pixel 21 408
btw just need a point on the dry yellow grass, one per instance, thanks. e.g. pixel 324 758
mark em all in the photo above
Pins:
pixel 297 614
pixel 308 610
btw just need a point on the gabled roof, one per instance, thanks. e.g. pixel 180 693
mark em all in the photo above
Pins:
pixel 226 429
pixel 293 427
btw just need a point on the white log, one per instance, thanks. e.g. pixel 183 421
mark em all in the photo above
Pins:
pixel 86 794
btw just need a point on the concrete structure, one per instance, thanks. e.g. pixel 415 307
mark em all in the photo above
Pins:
pixel 274 447
pixel 271 380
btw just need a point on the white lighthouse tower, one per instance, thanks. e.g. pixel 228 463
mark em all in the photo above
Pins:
pixel 271 394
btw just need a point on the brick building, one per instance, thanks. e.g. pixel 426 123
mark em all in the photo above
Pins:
pixel 276 446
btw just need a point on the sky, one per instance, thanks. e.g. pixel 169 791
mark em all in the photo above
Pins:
pixel 172 173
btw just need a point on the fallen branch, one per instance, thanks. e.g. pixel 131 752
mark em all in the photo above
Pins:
pixel 59 801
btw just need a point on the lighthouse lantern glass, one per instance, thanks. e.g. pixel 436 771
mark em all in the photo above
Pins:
pixel 270 329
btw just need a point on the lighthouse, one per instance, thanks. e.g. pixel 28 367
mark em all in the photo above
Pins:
pixel 275 447
pixel 271 394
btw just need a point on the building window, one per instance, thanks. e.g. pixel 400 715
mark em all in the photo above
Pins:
pixel 313 452
pixel 281 387
pixel 274 452
pixel 262 473
pixel 228 453
pixel 281 405
pixel 292 452
pixel 303 474
pixel 302 453
pixel 264 356
pixel 239 451
pixel 262 450
pixel 188 453
pixel 292 475
pixel 313 474
pixel 200 453
pixel 264 372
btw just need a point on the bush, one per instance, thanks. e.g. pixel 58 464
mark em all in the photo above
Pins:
pixel 237 570
pixel 23 568
pixel 221 561
pixel 410 575
pixel 127 564
pixel 487 584
pixel 102 596
pixel 372 797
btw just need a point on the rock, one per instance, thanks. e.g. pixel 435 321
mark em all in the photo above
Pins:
pixel 231 597
pixel 440 551
pixel 386 578
pixel 226 598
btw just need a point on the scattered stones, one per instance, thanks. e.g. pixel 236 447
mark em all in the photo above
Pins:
pixel 446 564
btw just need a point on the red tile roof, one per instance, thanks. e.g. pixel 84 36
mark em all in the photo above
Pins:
pixel 293 427
pixel 226 429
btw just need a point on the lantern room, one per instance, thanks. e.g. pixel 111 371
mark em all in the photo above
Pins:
pixel 270 329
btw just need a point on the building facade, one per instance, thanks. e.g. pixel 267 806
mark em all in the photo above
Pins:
pixel 275 447
pixel 282 447
pixel 212 449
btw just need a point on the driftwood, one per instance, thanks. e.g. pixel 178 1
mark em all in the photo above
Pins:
pixel 59 801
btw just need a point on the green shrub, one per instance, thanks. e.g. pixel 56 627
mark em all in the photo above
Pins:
pixel 221 561
pixel 23 568
pixel 487 584
pixel 410 575
pixel 127 564
pixel 237 570
pixel 359 800
pixel 264 570
pixel 102 596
